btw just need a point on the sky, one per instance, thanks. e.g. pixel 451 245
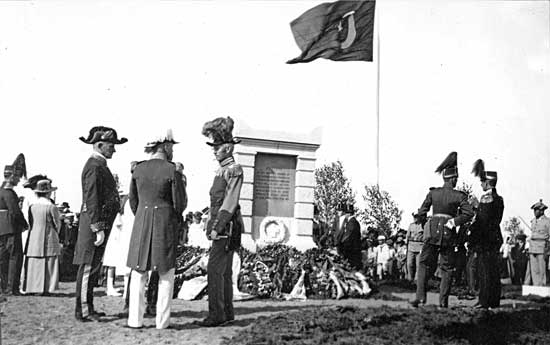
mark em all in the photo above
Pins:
pixel 465 76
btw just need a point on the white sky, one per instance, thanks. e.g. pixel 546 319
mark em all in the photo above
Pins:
pixel 467 76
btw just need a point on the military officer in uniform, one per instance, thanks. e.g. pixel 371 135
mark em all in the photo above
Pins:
pixel 538 246
pixel 225 222
pixel 486 238
pixel 450 209
pixel 158 199
pixel 100 205
pixel 12 223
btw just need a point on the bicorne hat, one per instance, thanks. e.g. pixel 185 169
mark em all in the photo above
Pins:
pixel 101 133
pixel 539 206
pixel 220 131
pixel 448 168
pixel 161 138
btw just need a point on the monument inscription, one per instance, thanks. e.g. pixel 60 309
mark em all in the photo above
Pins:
pixel 274 182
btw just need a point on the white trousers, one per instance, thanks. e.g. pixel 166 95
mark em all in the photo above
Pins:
pixel 137 299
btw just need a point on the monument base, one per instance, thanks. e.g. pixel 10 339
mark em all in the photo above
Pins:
pixel 542 291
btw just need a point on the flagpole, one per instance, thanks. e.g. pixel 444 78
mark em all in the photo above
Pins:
pixel 377 19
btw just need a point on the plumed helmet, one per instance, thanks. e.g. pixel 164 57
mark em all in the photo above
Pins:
pixel 220 131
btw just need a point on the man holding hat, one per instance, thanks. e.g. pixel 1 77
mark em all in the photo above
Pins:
pixel 486 238
pixel 100 205
pixel 450 209
pixel 348 236
pixel 158 199
pixel 538 245
pixel 12 223
pixel 225 222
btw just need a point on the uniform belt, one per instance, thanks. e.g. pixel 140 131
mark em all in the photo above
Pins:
pixel 442 215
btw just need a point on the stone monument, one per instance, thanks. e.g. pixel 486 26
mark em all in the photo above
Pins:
pixel 277 193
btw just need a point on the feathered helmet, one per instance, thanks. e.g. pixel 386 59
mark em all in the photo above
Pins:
pixel 479 171
pixel 33 180
pixel 220 131
pixel 18 168
pixel 101 133
pixel 448 168
pixel 162 137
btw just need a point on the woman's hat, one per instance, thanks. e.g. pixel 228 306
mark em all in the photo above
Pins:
pixel 44 186
pixel 220 131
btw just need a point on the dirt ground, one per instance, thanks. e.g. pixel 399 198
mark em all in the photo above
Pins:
pixel 50 320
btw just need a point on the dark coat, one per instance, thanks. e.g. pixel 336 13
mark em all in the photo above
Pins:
pixel 451 203
pixel 485 230
pixel 12 220
pixel 348 242
pixel 100 205
pixel 158 199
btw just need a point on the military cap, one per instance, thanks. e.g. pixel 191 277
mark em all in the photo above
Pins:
pixel 539 206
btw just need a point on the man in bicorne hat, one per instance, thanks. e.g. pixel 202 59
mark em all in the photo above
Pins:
pixel 538 246
pixel 225 222
pixel 450 209
pixel 486 238
pixel 12 223
pixel 100 205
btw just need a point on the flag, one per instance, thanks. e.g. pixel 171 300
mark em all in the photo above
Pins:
pixel 339 31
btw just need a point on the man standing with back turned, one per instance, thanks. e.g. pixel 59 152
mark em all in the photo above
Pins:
pixel 100 205
pixel 450 209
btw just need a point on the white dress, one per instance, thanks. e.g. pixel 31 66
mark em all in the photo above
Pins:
pixel 116 251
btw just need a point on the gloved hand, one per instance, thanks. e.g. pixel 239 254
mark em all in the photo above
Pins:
pixel 450 223
pixel 214 235
pixel 100 237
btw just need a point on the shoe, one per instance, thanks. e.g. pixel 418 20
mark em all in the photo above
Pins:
pixel 79 317
pixel 480 307
pixel 97 313
pixel 415 303
pixel 208 323
pixel 228 320
pixel 132 327
pixel 113 293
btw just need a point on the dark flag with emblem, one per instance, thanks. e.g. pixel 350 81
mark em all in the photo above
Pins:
pixel 339 31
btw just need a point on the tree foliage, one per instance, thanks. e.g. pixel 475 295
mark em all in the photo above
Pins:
pixel 381 212
pixel 331 188
pixel 513 226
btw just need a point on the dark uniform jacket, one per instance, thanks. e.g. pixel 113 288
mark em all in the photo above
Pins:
pixel 100 205
pixel 158 199
pixel 348 241
pixel 446 203
pixel 225 212
pixel 485 230
pixel 12 220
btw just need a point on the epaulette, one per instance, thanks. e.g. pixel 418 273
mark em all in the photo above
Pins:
pixel 234 170
pixel 432 188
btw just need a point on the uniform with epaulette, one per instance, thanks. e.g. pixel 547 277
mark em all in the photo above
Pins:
pixel 224 224
pixel 538 246
pixel 450 208
pixel 100 205
pixel 486 237
pixel 12 223
pixel 158 199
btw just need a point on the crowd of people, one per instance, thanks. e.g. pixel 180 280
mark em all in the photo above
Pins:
pixel 136 233
pixel 460 242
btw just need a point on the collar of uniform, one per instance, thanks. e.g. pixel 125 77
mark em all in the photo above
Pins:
pixel 228 161
pixel 99 156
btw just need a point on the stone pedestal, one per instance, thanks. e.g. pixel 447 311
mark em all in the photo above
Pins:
pixel 277 193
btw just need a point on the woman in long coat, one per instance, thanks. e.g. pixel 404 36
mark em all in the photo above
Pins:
pixel 42 247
